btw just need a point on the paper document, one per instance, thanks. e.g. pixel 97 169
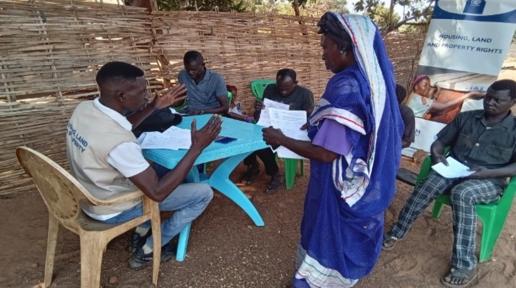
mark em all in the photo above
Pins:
pixel 264 114
pixel 408 152
pixel 268 103
pixel 264 120
pixel 455 169
pixel 290 123
pixel 285 153
pixel 174 111
pixel 173 138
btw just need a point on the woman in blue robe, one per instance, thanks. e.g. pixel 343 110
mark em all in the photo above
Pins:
pixel 354 154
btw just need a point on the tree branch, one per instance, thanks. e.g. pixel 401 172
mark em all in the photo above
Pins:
pixel 425 13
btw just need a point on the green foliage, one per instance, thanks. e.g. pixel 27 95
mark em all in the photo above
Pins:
pixel 414 11
pixel 382 17
pixel 204 5
pixel 313 8
pixel 316 8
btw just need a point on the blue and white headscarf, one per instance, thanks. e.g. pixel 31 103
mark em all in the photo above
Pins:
pixel 351 173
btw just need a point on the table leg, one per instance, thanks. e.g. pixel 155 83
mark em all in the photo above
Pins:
pixel 219 180
pixel 183 243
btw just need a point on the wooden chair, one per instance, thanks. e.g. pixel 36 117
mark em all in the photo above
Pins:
pixel 62 194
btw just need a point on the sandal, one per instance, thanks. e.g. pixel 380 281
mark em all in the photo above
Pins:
pixel 273 185
pixel 459 278
pixel 389 241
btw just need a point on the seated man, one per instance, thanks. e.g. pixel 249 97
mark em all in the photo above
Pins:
pixel 409 121
pixel 206 89
pixel 485 140
pixel 105 157
pixel 288 92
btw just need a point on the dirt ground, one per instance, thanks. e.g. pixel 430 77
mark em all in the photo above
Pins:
pixel 227 250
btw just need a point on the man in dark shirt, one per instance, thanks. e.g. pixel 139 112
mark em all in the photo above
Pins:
pixel 297 97
pixel 485 140
pixel 407 115
pixel 206 89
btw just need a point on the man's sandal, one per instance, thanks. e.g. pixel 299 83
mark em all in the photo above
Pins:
pixel 389 241
pixel 459 278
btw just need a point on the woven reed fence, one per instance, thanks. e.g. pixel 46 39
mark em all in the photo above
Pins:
pixel 51 50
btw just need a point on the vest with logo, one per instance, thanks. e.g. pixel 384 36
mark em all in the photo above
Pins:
pixel 91 135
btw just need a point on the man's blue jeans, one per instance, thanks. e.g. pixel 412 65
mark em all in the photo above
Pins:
pixel 187 202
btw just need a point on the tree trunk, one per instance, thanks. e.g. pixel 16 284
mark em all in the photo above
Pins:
pixel 295 5
pixel 391 14
pixel 151 5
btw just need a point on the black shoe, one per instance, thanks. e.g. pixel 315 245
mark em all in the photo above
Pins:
pixel 274 184
pixel 250 174
pixel 139 260
pixel 136 242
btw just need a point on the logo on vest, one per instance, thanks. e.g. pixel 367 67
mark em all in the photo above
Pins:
pixel 77 140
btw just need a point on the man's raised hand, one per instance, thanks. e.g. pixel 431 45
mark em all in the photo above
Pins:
pixel 171 97
pixel 204 136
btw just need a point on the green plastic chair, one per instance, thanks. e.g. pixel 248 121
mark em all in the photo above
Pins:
pixel 292 167
pixel 258 87
pixel 491 215
pixel 230 97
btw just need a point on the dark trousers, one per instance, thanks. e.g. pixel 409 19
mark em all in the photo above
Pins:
pixel 268 159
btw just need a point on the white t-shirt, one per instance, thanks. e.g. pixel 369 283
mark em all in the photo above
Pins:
pixel 127 157
pixel 417 105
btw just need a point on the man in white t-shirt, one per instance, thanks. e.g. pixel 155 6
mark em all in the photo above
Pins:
pixel 106 158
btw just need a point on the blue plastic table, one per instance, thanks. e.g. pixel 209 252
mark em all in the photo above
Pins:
pixel 249 139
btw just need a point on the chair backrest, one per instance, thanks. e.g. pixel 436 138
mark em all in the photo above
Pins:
pixel 230 96
pixel 230 89
pixel 258 87
pixel 505 202
pixel 60 191
pixel 425 168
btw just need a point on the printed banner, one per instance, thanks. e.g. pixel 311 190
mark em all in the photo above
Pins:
pixel 466 44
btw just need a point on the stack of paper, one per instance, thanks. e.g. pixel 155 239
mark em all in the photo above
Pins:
pixel 264 114
pixel 455 169
pixel 277 115
pixel 173 138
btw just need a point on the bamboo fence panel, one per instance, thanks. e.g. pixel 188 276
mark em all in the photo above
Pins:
pixel 242 47
pixel 50 52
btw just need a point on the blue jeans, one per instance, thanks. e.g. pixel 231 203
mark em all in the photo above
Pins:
pixel 187 202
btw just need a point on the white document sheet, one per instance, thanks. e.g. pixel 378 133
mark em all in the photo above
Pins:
pixel 290 123
pixel 173 138
pixel 268 103
pixel 455 169
pixel 264 120
pixel 285 153
pixel 174 111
